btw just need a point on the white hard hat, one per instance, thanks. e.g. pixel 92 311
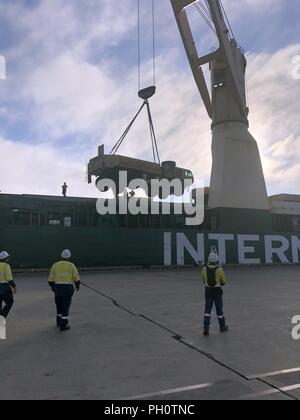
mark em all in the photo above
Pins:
pixel 66 254
pixel 4 255
pixel 213 258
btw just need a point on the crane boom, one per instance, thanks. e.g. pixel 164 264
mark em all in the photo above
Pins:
pixel 227 59
pixel 229 49
pixel 191 50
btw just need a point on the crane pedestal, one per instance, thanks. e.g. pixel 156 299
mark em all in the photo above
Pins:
pixel 237 179
pixel 238 191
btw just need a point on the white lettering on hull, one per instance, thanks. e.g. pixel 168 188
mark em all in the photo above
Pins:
pixel 248 249
pixel 183 245
pixel 244 249
pixel 280 251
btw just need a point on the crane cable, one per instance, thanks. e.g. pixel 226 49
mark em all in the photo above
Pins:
pixel 155 150
pixel 153 44
pixel 205 13
pixel 203 10
pixel 122 138
pixel 226 18
pixel 139 45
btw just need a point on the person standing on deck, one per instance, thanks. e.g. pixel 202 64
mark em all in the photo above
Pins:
pixel 214 279
pixel 64 189
pixel 63 277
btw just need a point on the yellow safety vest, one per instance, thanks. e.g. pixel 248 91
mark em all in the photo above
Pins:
pixel 65 273
pixel 220 276
pixel 5 274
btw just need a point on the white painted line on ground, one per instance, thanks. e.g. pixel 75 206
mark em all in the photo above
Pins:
pixel 290 388
pixel 270 392
pixel 269 374
pixel 169 391
pixel 259 394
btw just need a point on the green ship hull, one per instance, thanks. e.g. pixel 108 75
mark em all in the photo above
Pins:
pixel 35 229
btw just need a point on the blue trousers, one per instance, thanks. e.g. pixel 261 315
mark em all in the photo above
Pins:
pixel 214 296
pixel 63 300
pixel 6 298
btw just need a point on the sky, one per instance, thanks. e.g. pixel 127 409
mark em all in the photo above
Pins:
pixel 72 85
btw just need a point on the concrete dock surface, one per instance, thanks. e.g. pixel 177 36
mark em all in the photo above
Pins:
pixel 138 335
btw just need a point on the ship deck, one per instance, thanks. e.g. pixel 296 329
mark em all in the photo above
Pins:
pixel 138 335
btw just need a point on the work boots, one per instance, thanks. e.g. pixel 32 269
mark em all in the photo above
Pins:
pixel 206 332
pixel 64 325
pixel 223 326
pixel 224 329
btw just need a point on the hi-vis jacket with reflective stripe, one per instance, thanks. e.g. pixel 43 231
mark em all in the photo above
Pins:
pixel 6 275
pixel 220 276
pixel 64 272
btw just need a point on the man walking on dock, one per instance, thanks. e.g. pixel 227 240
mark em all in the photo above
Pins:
pixel 63 277
pixel 7 287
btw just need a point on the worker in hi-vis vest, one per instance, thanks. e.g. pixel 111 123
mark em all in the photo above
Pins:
pixel 63 278
pixel 214 279
pixel 7 287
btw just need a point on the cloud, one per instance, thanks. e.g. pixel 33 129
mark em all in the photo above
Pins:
pixel 275 110
pixel 40 169
pixel 52 25
pixel 235 8
pixel 69 96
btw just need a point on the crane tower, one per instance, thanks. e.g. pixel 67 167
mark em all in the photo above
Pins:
pixel 237 179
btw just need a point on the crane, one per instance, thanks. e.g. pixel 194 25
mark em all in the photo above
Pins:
pixel 237 178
